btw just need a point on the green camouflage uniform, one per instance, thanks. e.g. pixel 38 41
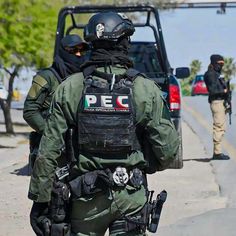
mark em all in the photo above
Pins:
pixel 91 215
pixel 39 99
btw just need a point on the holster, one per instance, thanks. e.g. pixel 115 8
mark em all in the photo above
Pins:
pixel 54 229
pixel 62 229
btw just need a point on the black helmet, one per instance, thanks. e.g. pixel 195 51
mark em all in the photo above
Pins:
pixel 108 26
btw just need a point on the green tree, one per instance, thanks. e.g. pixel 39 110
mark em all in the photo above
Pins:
pixel 27 31
pixel 229 68
pixel 195 67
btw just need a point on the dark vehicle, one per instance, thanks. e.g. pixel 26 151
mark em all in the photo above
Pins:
pixel 148 54
pixel 198 86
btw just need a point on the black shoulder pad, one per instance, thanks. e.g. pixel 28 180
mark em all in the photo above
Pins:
pixel 53 71
pixel 132 74
pixel 56 74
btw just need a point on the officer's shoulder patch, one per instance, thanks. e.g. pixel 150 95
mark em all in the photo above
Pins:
pixel 41 81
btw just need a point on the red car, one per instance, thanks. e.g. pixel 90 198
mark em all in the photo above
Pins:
pixel 199 86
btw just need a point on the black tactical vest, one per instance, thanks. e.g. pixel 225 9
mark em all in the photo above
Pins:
pixel 106 119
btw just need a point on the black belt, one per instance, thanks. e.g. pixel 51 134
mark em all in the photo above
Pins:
pixel 100 180
pixel 216 97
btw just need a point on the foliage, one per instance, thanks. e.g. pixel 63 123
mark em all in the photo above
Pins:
pixel 229 68
pixel 26 30
pixel 185 87
pixel 195 67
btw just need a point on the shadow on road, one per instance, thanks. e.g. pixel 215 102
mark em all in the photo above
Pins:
pixel 199 159
pixel 17 133
pixel 24 171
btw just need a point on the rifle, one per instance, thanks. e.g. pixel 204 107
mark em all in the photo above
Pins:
pixel 227 102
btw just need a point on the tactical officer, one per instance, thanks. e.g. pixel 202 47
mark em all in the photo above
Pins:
pixel 45 82
pixel 217 94
pixel 123 131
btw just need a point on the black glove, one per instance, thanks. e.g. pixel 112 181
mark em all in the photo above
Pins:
pixel 38 219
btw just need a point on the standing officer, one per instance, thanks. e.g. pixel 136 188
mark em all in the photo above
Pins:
pixel 44 84
pixel 123 130
pixel 217 94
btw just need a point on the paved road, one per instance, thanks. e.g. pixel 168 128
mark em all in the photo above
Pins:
pixel 196 108
pixel 214 222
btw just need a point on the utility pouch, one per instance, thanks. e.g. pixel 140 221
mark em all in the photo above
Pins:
pixel 84 185
pixel 59 206
pixel 34 141
pixel 90 183
pixel 62 229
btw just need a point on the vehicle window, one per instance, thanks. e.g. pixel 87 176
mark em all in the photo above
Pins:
pixel 199 78
pixel 144 57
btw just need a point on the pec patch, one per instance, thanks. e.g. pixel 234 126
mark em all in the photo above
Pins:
pixel 106 103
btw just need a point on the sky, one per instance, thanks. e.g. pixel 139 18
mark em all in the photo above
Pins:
pixel 197 33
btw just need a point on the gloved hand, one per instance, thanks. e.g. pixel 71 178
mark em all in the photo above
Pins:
pixel 38 213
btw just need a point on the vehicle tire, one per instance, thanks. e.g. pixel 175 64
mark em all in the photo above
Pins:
pixel 178 162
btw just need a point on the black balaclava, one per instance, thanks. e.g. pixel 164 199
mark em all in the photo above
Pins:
pixel 66 63
pixel 214 59
pixel 107 53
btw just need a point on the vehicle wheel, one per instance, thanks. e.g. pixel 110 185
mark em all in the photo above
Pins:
pixel 178 162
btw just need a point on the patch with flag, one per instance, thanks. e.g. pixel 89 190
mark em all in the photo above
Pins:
pixel 107 103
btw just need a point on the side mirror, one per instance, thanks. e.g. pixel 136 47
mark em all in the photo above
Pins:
pixel 182 72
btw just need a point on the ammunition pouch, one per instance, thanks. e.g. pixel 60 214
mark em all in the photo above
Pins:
pixel 90 183
pixel 55 223
pixel 54 229
pixel 59 206
pixel 62 229
pixel 100 180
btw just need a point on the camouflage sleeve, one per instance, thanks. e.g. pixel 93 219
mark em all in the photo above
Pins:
pixel 161 133
pixel 161 137
pixel 60 116
pixel 33 105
